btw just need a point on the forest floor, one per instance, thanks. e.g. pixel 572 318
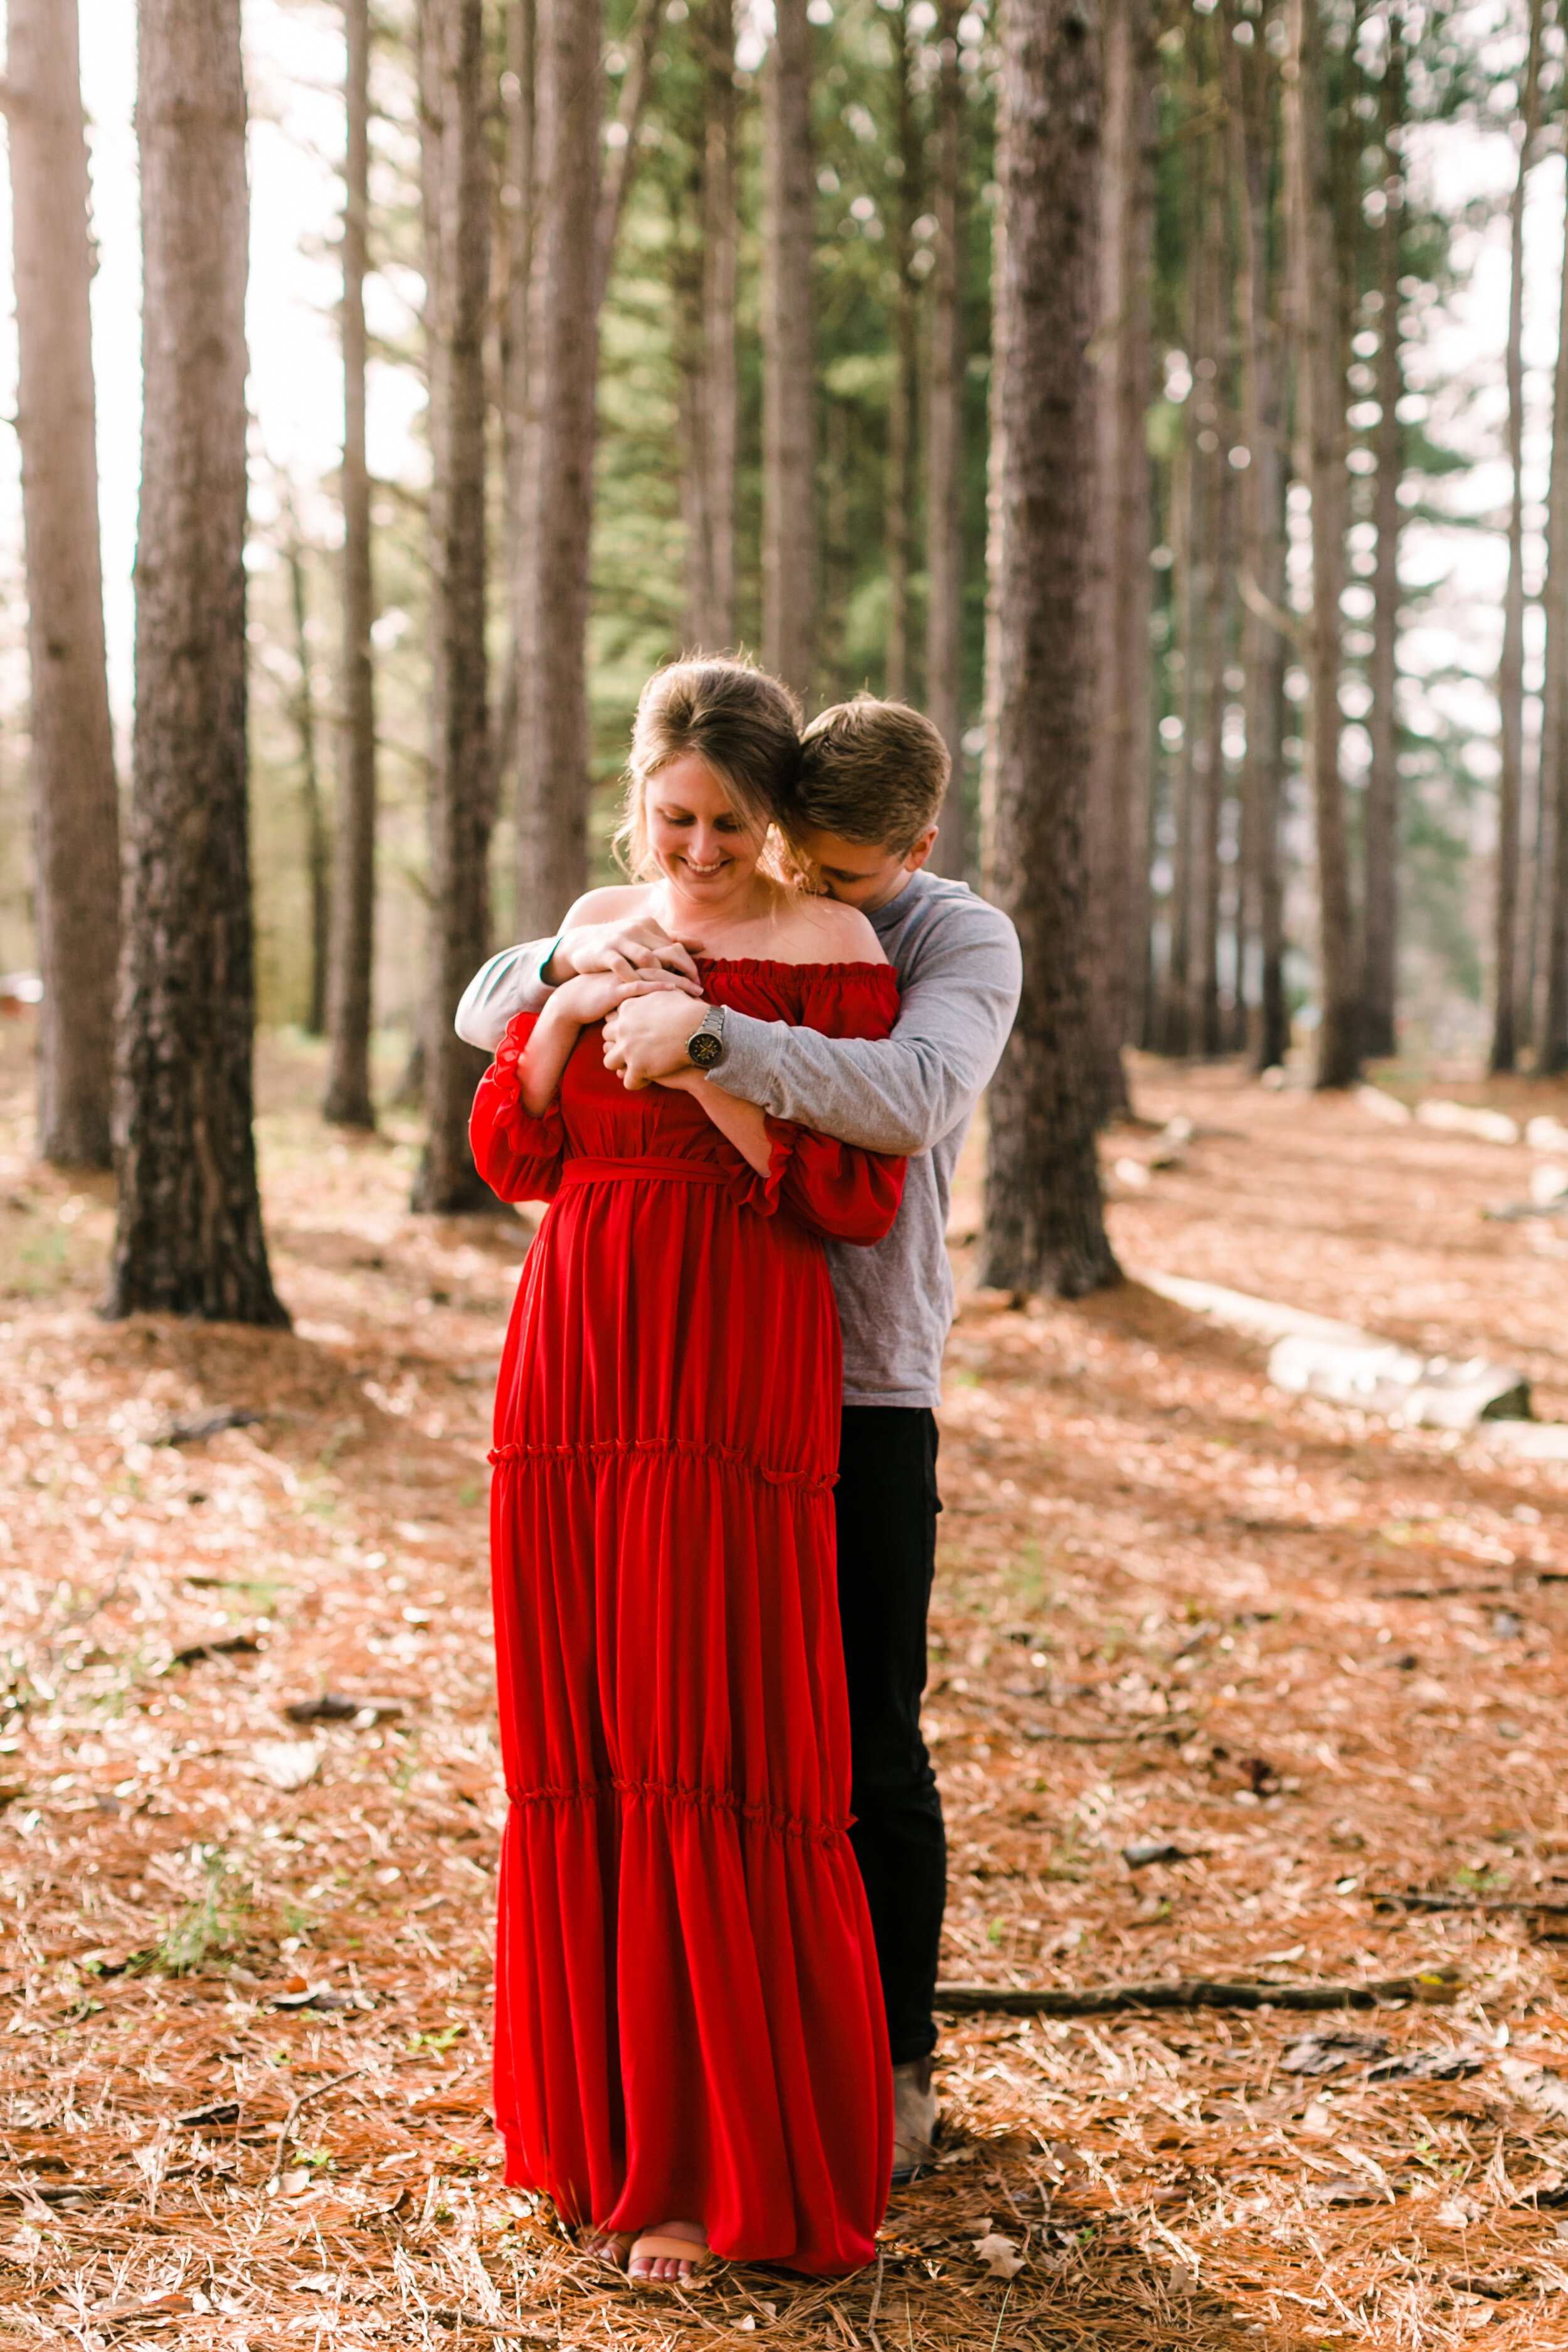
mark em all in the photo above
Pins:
pixel 1322 1658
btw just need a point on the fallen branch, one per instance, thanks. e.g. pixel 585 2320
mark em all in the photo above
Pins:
pixel 450 2315
pixel 1199 1992
pixel 303 2101
pixel 1468 1903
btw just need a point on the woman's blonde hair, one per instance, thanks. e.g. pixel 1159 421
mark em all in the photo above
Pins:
pixel 741 723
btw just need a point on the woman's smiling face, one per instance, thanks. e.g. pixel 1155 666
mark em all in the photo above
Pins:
pixel 702 848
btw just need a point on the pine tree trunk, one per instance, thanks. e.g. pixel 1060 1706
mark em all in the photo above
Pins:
pixel 348 1101
pixel 1381 983
pixel 557 496
pixel 1117 828
pixel 515 233
pixel 75 812
pixel 1511 669
pixel 456 235
pixel 1319 405
pixel 945 452
pixel 789 392
pixel 189 1240
pixel 901 490
pixel 1044 1227
pixel 318 860
pixel 618 177
pixel 719 394
pixel 1551 1055
pixel 1249 148
pixel 708 387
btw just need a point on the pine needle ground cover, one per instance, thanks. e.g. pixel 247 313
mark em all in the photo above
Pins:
pixel 1222 1679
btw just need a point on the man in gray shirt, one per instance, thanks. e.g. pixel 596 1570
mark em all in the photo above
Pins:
pixel 872 782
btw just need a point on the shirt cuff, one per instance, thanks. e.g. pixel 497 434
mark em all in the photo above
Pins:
pixel 746 1069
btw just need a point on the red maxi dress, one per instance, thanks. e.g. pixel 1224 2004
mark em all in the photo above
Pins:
pixel 689 2017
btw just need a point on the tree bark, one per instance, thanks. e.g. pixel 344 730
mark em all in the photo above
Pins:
pixel 904 391
pixel 318 860
pixel 1118 782
pixel 1381 913
pixel 789 479
pixel 558 468
pixel 1511 668
pixel 709 387
pixel 1551 1055
pixel 515 231
pixel 456 236
pixel 1319 405
pixel 619 177
pixel 945 452
pixel 75 812
pixel 348 1101
pixel 1044 1227
pixel 1249 144
pixel 189 1239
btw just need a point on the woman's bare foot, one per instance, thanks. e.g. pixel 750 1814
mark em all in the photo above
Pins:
pixel 609 2246
pixel 654 2261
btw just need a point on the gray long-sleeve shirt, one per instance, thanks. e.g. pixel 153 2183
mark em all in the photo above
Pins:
pixel 913 1092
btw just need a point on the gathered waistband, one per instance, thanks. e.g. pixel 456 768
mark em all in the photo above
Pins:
pixel 611 1172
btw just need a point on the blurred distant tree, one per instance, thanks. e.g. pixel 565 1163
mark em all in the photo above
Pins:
pixel 456 233
pixel 75 809
pixel 945 444
pixel 557 482
pixel 353 955
pixel 189 1240
pixel 789 387
pixel 1511 669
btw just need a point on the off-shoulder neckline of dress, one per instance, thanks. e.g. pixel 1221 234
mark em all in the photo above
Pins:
pixel 772 964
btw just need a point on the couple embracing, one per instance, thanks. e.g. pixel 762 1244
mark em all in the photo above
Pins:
pixel 741 1082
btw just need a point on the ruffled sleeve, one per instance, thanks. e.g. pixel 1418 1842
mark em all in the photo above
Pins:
pixel 834 1190
pixel 519 1156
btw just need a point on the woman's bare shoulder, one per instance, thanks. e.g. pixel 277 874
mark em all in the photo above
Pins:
pixel 616 901
pixel 829 932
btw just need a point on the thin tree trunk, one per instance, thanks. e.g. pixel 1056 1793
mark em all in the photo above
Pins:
pixel 518 194
pixel 1261 929
pixel 348 1101
pixel 318 858
pixel 456 233
pixel 619 177
pixel 719 394
pixel 189 1239
pixel 75 805
pixel 1381 983
pixel 1551 1055
pixel 1173 1008
pixel 945 452
pixel 1118 816
pixel 1044 1227
pixel 709 386
pixel 558 468
pixel 901 490
pixel 1320 403
pixel 789 475
pixel 1511 669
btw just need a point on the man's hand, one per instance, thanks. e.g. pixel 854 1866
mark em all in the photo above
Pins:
pixel 645 1038
pixel 642 950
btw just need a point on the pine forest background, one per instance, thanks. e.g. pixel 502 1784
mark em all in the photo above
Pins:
pixel 1328 529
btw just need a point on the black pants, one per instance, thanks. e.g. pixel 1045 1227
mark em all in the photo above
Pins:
pixel 887 1506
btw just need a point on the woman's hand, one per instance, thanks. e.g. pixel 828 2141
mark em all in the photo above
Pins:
pixel 573 1007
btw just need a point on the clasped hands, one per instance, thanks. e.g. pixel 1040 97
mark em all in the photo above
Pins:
pixel 641 983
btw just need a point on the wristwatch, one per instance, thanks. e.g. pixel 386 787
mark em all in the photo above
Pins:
pixel 705 1047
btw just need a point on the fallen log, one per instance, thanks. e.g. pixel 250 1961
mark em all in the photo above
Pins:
pixel 1197 1993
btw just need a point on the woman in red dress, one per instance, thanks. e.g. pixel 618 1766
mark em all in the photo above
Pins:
pixel 690 2048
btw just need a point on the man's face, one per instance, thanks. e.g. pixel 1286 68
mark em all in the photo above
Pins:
pixel 859 874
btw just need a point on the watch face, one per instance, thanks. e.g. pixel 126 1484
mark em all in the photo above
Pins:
pixel 704 1049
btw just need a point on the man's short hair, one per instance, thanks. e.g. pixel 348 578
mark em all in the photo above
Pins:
pixel 873 773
